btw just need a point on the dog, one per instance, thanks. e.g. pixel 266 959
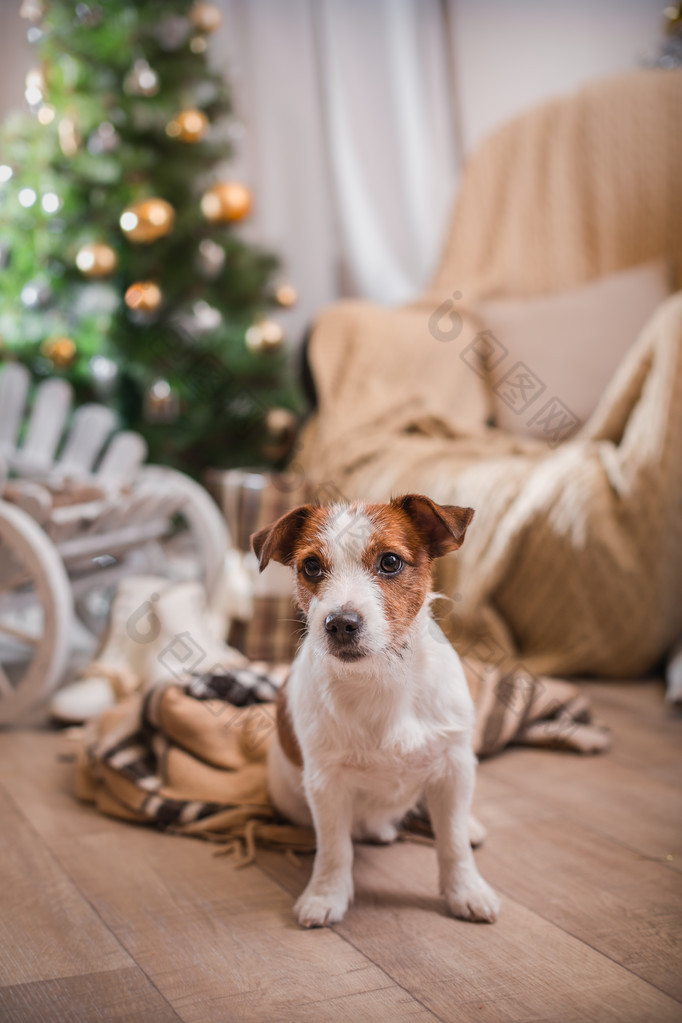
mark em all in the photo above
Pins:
pixel 376 713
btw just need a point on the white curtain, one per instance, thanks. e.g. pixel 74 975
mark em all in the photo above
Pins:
pixel 349 139
pixel 347 136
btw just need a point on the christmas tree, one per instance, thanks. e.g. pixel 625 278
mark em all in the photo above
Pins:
pixel 122 268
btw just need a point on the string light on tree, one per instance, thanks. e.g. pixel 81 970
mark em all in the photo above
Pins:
pixel 226 201
pixel 27 197
pixel 51 203
pixel 146 221
pixel 104 373
pixel 35 87
pixel 188 126
pixel 69 139
pixel 95 259
pixel 46 114
pixel 36 295
pixel 264 336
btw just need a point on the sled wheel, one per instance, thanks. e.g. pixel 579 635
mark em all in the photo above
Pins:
pixel 205 522
pixel 35 614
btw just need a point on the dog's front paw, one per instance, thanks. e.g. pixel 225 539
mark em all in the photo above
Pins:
pixel 318 909
pixel 473 899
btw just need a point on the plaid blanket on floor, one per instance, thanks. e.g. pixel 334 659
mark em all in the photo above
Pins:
pixel 190 758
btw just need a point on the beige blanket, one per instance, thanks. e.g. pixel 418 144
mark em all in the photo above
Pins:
pixel 573 563
pixel 186 759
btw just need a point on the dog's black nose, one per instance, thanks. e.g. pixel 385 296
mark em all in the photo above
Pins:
pixel 344 624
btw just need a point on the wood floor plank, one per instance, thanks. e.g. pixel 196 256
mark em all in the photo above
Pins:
pixel 624 905
pixel 522 968
pixel 647 731
pixel 36 768
pixel 618 800
pixel 218 942
pixel 117 996
pixel 577 847
pixel 47 929
pixel 214 939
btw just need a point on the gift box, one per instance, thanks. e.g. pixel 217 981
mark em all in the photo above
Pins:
pixel 266 625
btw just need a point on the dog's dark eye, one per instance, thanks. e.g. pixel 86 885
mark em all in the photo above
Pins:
pixel 390 564
pixel 312 568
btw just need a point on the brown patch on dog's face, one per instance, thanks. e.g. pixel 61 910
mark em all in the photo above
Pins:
pixel 403 586
pixel 349 556
pixel 292 540
pixel 278 541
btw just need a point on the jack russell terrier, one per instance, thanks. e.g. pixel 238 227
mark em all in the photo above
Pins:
pixel 376 713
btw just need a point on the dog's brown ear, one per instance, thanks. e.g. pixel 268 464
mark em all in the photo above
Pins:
pixel 277 542
pixel 441 525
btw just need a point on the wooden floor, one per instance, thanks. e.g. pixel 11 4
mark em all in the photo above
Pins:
pixel 101 920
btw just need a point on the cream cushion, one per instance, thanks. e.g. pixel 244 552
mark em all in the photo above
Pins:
pixel 549 359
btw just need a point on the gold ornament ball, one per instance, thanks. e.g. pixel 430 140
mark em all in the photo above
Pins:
pixel 226 201
pixel 143 297
pixel 286 295
pixel 281 426
pixel 147 220
pixel 205 17
pixel 62 351
pixel 95 259
pixel 264 336
pixel 188 126
pixel 673 17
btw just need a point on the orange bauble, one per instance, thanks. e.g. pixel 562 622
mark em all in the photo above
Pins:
pixel 281 427
pixel 143 297
pixel 264 336
pixel 96 260
pixel 286 295
pixel 62 351
pixel 147 220
pixel 227 201
pixel 188 126
pixel 205 17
